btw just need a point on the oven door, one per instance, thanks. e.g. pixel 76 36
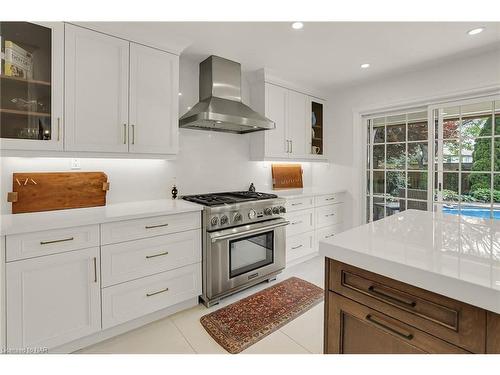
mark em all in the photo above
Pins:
pixel 243 255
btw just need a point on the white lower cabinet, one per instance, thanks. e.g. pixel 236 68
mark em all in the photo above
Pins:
pixel 133 299
pixel 52 300
pixel 312 218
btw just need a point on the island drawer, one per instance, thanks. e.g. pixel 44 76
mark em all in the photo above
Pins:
pixel 354 328
pixel 454 321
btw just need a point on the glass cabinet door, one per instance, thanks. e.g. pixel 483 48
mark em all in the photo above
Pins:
pixel 317 131
pixel 27 84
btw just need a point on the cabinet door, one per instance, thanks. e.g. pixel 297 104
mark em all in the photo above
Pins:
pixel 154 101
pixel 96 91
pixel 31 83
pixel 297 124
pixel 276 110
pixel 352 328
pixel 315 128
pixel 53 299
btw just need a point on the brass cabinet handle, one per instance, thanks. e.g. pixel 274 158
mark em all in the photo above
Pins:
pixel 407 336
pixel 58 129
pixel 124 134
pixel 95 269
pixel 155 226
pixel 389 298
pixel 56 241
pixel 291 146
pixel 158 292
pixel 296 204
pixel 133 133
pixel 156 255
pixel 297 222
pixel 327 215
pixel 330 199
pixel 329 235
pixel 297 247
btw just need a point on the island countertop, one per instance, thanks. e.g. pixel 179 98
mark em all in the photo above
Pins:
pixel 455 256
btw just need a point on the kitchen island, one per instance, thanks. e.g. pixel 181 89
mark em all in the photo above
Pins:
pixel 414 282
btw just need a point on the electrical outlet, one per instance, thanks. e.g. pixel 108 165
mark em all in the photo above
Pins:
pixel 75 164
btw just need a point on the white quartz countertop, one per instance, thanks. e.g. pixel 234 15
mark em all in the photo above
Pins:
pixel 303 193
pixel 454 256
pixel 32 222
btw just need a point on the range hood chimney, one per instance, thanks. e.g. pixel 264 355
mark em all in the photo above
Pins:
pixel 220 107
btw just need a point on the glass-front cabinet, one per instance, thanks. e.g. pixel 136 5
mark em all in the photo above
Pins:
pixel 31 85
pixel 317 132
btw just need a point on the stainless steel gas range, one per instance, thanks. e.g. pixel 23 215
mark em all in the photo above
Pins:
pixel 243 241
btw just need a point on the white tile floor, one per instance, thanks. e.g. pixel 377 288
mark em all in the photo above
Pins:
pixel 183 333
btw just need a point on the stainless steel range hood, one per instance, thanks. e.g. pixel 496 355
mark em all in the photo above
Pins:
pixel 220 107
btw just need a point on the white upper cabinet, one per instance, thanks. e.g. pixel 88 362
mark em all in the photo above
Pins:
pixel 96 91
pixel 276 140
pixel 154 101
pixel 298 133
pixel 31 85
pixel 297 124
pixel 121 97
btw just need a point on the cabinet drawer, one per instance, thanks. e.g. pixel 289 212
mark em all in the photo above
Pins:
pixel 300 222
pixel 324 200
pixel 453 321
pixel 134 259
pixel 353 328
pixel 299 246
pixel 30 245
pixel 153 226
pixel 326 233
pixel 299 204
pixel 328 215
pixel 133 299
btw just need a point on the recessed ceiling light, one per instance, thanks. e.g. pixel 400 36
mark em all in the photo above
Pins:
pixel 475 31
pixel 297 25
pixel 180 94
pixel 364 66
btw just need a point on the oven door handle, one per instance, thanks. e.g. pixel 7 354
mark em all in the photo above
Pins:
pixel 249 231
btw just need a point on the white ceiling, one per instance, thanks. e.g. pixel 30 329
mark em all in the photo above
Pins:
pixel 322 54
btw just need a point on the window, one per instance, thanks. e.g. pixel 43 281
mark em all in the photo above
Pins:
pixel 397 166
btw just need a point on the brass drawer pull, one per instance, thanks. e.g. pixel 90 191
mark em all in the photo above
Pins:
pixel 296 222
pixel 296 247
pixel 155 226
pixel 330 199
pixel 329 235
pixel 158 292
pixel 391 298
pixel 156 255
pixel 327 215
pixel 95 269
pixel 297 204
pixel 407 336
pixel 56 241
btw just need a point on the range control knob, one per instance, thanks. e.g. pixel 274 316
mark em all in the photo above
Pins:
pixel 268 211
pixel 214 221
pixel 276 210
pixel 282 209
pixel 224 220
pixel 252 214
pixel 237 217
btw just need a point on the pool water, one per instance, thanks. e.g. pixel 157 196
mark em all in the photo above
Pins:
pixel 475 212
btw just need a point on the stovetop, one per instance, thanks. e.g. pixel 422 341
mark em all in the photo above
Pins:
pixel 216 199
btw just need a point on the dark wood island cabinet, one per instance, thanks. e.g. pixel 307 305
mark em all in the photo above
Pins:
pixel 366 313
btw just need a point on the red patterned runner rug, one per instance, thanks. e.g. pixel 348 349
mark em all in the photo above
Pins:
pixel 243 323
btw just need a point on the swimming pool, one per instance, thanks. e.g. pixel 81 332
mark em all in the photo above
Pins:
pixel 475 212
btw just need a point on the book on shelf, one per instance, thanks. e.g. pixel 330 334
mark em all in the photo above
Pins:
pixel 17 61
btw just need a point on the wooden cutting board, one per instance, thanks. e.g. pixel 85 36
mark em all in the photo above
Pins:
pixel 34 192
pixel 287 176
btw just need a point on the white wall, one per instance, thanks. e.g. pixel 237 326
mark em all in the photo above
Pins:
pixel 439 81
pixel 207 161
